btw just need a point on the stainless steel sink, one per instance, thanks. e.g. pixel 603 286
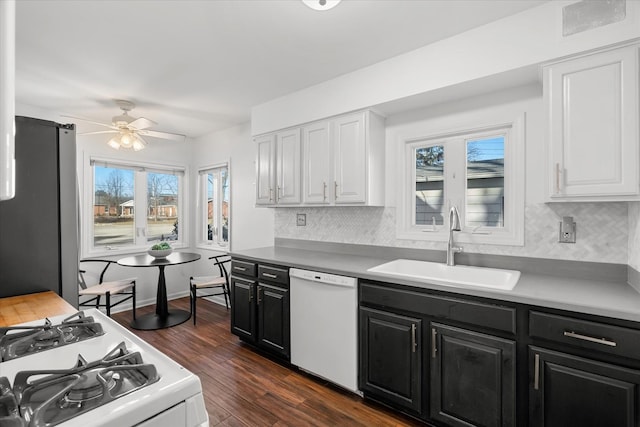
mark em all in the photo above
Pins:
pixel 442 274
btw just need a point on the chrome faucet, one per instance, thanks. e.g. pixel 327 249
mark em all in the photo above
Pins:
pixel 454 225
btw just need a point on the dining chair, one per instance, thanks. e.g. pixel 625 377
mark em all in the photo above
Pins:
pixel 122 289
pixel 206 283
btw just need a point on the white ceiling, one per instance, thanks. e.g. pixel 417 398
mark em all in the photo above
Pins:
pixel 199 66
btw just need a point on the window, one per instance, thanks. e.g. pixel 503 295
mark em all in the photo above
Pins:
pixel 484 202
pixel 480 171
pixel 215 206
pixel 429 206
pixel 162 206
pixel 133 205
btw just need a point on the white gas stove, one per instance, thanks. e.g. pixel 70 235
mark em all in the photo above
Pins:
pixel 111 377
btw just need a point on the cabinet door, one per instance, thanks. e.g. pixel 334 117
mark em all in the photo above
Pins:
pixel 317 163
pixel 472 378
pixel 273 318
pixel 243 318
pixel 391 358
pixel 288 159
pixel 350 158
pixel 265 170
pixel 592 107
pixel 568 390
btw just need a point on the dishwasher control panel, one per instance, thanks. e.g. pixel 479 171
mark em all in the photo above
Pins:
pixel 330 279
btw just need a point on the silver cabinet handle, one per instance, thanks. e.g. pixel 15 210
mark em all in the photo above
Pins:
pixel 335 190
pixel 434 349
pixel 259 289
pixel 536 371
pixel 414 344
pixel 250 294
pixel 270 194
pixel 602 341
pixel 324 191
pixel 239 268
pixel 271 276
pixel 278 194
pixel 557 178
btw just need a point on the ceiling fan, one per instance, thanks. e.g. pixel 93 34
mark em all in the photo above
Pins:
pixel 129 131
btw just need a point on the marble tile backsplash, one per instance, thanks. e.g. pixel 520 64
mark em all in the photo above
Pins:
pixel 602 230
pixel 634 235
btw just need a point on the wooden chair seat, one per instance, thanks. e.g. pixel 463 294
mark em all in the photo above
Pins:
pixel 114 288
pixel 122 289
pixel 207 281
pixel 219 284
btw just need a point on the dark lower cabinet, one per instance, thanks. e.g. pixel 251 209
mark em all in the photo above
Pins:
pixel 568 391
pixel 260 305
pixel 473 378
pixel 391 358
pixel 273 318
pixel 243 321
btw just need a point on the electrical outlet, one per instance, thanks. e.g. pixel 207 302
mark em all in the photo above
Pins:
pixel 301 220
pixel 567 230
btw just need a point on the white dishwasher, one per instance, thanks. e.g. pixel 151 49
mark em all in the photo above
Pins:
pixel 324 338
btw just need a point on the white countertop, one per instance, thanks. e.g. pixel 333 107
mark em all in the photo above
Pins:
pixel 597 297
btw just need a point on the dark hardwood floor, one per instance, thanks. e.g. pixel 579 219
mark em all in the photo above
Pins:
pixel 245 388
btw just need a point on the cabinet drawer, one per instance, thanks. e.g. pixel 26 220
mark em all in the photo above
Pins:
pixel 243 268
pixel 585 334
pixel 273 274
pixel 475 313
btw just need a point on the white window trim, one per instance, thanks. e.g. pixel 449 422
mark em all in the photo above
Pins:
pixel 513 233
pixel 201 214
pixel 86 209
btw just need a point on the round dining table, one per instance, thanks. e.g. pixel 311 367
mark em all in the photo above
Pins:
pixel 163 317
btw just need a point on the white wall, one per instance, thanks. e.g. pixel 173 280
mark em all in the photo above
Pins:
pixel 158 152
pixel 250 227
pixel 602 228
pixel 86 146
pixel 505 46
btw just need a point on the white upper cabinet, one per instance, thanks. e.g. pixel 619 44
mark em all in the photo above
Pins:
pixel 350 159
pixel 593 119
pixel 265 169
pixel 338 161
pixel 288 167
pixel 317 175
pixel 344 160
pixel 278 168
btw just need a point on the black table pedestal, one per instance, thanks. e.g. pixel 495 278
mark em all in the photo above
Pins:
pixel 152 321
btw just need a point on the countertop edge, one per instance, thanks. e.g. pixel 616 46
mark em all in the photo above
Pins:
pixel 612 299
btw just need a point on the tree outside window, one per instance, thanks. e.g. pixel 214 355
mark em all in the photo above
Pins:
pixel 134 205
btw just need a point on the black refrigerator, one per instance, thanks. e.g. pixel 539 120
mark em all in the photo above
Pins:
pixel 39 226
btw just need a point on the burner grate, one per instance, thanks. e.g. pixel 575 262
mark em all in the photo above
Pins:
pixel 50 397
pixel 9 413
pixel 18 341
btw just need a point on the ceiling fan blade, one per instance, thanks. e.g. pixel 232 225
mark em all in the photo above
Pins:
pixel 91 121
pixel 98 132
pixel 163 135
pixel 141 123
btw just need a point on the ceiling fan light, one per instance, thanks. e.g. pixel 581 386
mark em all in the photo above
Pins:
pixel 127 140
pixel 137 144
pixel 321 4
pixel 114 143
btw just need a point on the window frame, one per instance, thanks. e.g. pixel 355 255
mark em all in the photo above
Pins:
pixel 202 208
pixel 140 198
pixel 455 142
